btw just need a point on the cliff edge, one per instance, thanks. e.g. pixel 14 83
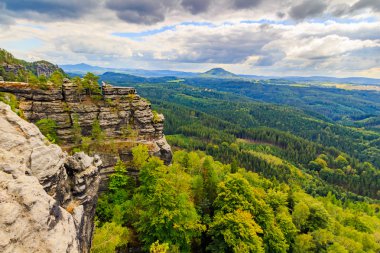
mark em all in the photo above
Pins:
pixel 47 198
pixel 125 118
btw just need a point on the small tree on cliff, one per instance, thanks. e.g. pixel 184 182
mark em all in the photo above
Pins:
pixel 119 179
pixel 48 127
pixel 80 88
pixel 96 131
pixel 90 83
pixel 57 78
pixel 32 79
pixel 140 155
pixel 77 130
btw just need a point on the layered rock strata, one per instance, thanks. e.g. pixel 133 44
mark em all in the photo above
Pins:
pixel 124 116
pixel 47 198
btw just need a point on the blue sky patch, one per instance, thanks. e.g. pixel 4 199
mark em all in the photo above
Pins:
pixel 140 35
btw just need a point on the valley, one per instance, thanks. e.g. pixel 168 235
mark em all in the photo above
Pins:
pixel 294 167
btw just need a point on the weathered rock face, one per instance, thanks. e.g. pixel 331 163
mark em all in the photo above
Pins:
pixel 44 68
pixel 47 198
pixel 13 68
pixel 122 114
pixel 38 68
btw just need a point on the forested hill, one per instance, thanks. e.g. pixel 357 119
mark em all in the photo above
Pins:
pixel 218 73
pixel 293 178
pixel 333 117
pixel 359 108
pixel 259 167
pixel 13 69
pixel 231 127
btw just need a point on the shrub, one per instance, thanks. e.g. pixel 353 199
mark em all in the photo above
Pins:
pixel 77 130
pixel 156 117
pixel 48 127
pixel 96 131
pixel 158 247
pixel 56 78
pixel 85 144
pixel 109 237
pixel 12 101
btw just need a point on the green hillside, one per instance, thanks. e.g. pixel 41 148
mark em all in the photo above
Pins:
pixel 282 163
pixel 16 70
pixel 218 73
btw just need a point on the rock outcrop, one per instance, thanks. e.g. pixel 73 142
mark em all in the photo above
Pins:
pixel 47 198
pixel 125 117
pixel 43 68
pixel 12 69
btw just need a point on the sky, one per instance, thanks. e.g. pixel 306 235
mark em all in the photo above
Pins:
pixel 260 37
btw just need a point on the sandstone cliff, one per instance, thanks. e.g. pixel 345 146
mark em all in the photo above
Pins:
pixel 47 198
pixel 125 117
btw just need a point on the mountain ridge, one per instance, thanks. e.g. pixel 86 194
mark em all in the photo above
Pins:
pixel 82 68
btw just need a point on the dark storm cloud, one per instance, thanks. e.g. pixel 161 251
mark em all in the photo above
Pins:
pixel 4 16
pixel 196 6
pixel 307 9
pixel 141 11
pixel 153 11
pixel 45 9
pixel 362 4
pixel 150 12
pixel 246 4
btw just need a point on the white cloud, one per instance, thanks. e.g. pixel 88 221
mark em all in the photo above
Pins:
pixel 322 45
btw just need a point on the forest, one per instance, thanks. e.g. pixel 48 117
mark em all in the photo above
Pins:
pixel 254 177
pixel 246 176
pixel 217 122
pixel 201 205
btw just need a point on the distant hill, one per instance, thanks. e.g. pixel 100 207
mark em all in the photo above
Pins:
pixel 350 80
pixel 115 77
pixel 83 68
pixel 121 78
pixel 218 73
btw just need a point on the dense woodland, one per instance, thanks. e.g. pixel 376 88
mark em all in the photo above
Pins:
pixel 201 205
pixel 292 179
pixel 216 122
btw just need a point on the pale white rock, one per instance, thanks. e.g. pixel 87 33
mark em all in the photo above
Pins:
pixel 42 206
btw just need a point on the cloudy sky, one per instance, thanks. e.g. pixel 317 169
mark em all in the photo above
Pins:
pixel 263 37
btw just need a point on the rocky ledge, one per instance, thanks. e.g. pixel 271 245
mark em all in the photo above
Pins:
pixel 125 117
pixel 47 198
